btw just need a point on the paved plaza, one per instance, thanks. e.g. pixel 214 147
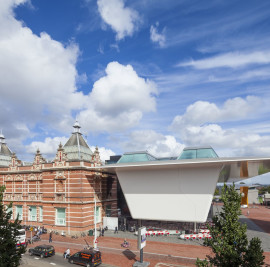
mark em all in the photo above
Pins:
pixel 163 250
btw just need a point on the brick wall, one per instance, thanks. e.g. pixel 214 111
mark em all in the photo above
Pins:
pixel 72 186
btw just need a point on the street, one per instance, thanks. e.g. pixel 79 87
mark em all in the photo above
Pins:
pixel 56 260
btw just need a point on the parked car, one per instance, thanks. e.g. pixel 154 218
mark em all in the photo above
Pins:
pixel 87 257
pixel 42 251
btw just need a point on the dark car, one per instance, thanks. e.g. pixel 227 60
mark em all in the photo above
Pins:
pixel 42 251
pixel 87 257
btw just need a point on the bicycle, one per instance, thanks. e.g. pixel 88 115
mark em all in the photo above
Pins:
pixel 74 237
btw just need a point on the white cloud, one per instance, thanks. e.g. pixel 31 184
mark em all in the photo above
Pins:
pixel 123 20
pixel 204 112
pixel 118 100
pixel 198 126
pixel 48 148
pixel 157 37
pixel 156 143
pixel 38 80
pixel 37 75
pixel 230 60
pixel 103 152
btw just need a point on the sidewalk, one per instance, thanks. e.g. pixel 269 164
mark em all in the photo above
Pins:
pixel 112 253
pixel 159 251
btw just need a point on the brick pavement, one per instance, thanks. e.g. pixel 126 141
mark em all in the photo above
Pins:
pixel 158 253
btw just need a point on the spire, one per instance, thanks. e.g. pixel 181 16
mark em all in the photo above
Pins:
pixel 76 147
pixel 76 127
pixel 2 138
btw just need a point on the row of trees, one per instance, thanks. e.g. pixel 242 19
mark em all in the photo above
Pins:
pixel 229 243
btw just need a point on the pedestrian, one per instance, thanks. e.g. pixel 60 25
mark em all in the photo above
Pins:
pixel 247 212
pixel 102 231
pixel 50 237
pixel 116 230
pixel 67 253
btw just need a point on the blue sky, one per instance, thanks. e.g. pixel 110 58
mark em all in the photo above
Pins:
pixel 138 75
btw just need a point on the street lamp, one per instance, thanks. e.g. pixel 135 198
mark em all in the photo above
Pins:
pixel 95 222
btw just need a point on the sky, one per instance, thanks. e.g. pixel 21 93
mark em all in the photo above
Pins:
pixel 138 75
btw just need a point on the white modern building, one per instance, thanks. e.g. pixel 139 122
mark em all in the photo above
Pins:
pixel 177 189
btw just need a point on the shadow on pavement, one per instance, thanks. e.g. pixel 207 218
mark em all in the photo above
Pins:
pixel 129 254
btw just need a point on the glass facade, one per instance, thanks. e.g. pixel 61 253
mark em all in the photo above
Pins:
pixel 198 153
pixel 136 157
pixel 108 210
pixel 60 216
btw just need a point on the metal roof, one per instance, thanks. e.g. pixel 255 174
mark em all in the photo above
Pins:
pixel 76 147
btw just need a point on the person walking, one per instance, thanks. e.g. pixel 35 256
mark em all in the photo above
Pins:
pixel 50 237
pixel 67 253
pixel 116 230
pixel 102 232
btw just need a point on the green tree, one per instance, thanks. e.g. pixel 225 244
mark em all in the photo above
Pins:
pixel 9 255
pixel 216 192
pixel 229 241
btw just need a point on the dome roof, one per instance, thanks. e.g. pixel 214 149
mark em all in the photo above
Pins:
pixel 76 147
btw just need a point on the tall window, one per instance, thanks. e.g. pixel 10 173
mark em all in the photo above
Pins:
pixel 98 215
pixel 60 216
pixel 41 214
pixel 10 210
pixel 32 213
pixel 19 212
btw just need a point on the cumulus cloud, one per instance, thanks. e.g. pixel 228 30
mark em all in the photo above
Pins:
pixel 123 20
pixel 48 148
pixel 38 83
pixel 230 60
pixel 37 75
pixel 156 143
pixel 204 112
pixel 157 37
pixel 118 100
pixel 199 126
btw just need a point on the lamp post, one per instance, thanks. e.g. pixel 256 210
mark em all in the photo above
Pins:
pixel 31 229
pixel 95 222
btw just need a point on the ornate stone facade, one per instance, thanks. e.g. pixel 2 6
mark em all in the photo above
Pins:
pixel 59 194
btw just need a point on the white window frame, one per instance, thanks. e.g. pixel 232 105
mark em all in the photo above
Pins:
pixel 60 221
pixel 32 218
pixel 40 213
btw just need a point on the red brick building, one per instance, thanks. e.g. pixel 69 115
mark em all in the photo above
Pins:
pixel 59 194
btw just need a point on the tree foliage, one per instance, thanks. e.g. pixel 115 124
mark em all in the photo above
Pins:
pixel 229 241
pixel 264 189
pixel 9 255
